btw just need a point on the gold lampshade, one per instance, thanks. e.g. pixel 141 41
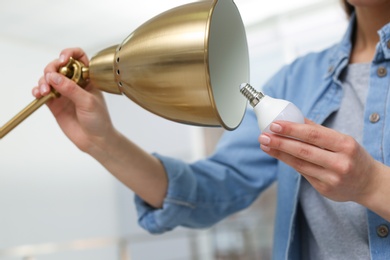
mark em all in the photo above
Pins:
pixel 185 65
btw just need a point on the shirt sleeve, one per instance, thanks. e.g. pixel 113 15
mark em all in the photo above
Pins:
pixel 202 193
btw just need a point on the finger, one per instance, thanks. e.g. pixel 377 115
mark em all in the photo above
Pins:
pixel 64 57
pixel 67 87
pixel 310 133
pixel 43 87
pixel 36 92
pixel 300 150
pixel 76 53
pixel 303 167
pixel 320 178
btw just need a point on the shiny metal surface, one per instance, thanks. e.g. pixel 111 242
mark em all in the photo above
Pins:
pixel 251 94
pixel 165 65
pixel 167 61
pixel 74 70
pixel 26 112
pixel 184 65
pixel 101 71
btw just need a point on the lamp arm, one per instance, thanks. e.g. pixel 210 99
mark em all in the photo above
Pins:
pixel 74 70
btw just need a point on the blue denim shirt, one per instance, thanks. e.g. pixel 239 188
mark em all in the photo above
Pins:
pixel 204 192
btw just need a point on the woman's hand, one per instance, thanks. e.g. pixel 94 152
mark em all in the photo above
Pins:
pixel 335 164
pixel 83 116
pixel 81 113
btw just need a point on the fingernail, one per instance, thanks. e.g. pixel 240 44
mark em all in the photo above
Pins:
pixel 265 140
pixel 54 77
pixel 35 92
pixel 47 77
pixel 62 58
pixel 265 148
pixel 44 89
pixel 276 128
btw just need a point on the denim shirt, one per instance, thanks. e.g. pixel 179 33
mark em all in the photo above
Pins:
pixel 204 192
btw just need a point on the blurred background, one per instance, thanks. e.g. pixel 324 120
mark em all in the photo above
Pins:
pixel 58 203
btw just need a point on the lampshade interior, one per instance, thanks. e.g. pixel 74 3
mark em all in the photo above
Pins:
pixel 228 62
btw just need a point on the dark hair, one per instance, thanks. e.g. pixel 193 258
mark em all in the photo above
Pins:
pixel 348 8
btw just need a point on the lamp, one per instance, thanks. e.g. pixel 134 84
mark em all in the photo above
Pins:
pixel 184 65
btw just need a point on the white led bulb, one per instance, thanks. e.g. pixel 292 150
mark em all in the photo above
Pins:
pixel 269 109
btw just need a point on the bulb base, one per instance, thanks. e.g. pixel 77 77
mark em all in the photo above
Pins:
pixel 251 94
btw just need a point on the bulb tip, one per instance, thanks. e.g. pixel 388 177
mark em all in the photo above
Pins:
pixel 243 86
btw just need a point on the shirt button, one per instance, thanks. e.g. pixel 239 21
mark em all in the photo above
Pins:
pixel 374 117
pixel 382 231
pixel 382 71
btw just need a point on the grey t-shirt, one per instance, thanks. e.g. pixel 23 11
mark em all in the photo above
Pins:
pixel 338 230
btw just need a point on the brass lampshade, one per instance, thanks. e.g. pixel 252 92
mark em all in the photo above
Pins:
pixel 185 65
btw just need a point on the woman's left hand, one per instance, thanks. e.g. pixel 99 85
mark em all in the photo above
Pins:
pixel 336 165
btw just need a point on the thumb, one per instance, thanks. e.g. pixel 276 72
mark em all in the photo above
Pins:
pixel 65 87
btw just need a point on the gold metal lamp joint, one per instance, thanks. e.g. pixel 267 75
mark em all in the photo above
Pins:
pixel 76 71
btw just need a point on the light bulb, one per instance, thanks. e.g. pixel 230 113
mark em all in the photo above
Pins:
pixel 269 109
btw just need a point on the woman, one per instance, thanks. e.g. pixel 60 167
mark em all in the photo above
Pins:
pixel 333 174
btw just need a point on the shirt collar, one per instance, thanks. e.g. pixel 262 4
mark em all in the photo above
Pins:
pixel 383 48
pixel 341 52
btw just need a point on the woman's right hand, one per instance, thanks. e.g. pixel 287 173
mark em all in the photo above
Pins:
pixel 81 113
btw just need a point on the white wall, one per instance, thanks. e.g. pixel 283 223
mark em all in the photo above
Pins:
pixel 280 38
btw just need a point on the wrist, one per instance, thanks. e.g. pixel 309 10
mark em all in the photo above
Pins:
pixel 135 168
pixel 376 196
